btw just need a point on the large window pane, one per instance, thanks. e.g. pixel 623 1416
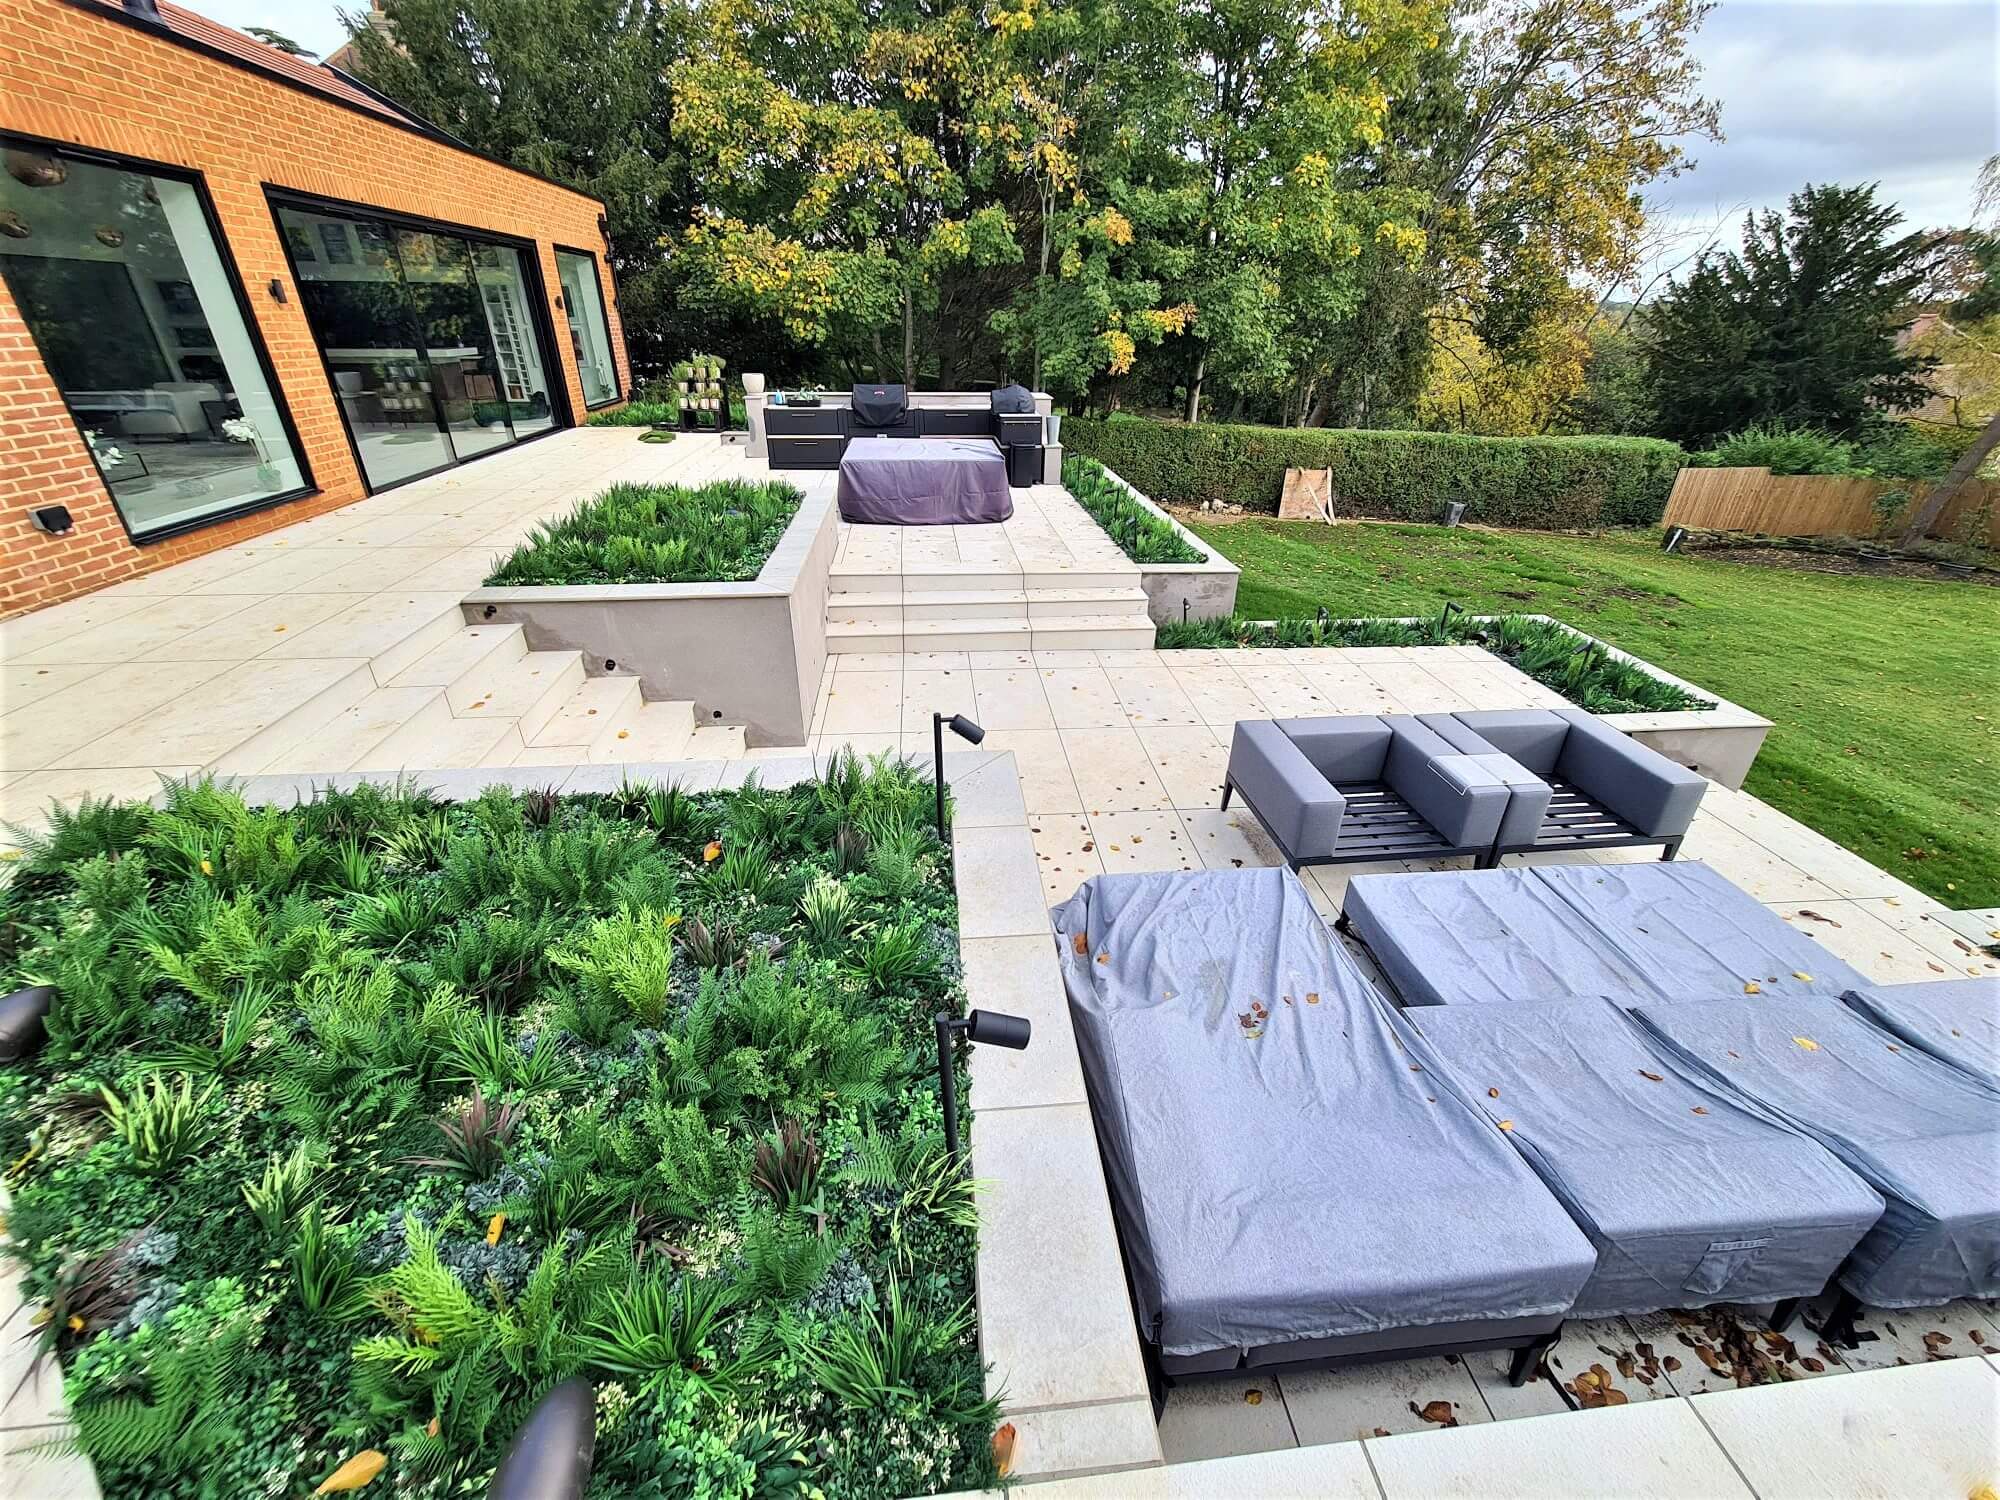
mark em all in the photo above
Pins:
pixel 589 331
pixel 524 385
pixel 451 325
pixel 119 279
pixel 351 281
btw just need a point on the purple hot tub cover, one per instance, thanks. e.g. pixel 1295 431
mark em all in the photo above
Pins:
pixel 924 482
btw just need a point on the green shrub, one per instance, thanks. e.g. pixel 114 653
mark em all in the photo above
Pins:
pixel 1140 534
pixel 1782 450
pixel 1554 483
pixel 637 414
pixel 649 533
pixel 1550 652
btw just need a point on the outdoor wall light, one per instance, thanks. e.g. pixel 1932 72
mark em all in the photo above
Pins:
pixel 990 1028
pixel 53 519
pixel 551 1454
pixel 966 730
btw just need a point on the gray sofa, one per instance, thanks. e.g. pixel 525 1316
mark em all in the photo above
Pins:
pixel 1362 787
pixel 1594 788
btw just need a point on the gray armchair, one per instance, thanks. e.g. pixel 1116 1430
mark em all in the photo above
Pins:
pixel 1604 789
pixel 1361 788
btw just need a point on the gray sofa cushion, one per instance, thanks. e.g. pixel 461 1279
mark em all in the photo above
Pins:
pixel 1533 736
pixel 1689 1197
pixel 1655 795
pixel 1922 1134
pixel 1955 1020
pixel 1278 1170
pixel 1295 801
pixel 1341 747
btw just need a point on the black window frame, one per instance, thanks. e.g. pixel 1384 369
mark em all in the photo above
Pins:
pixel 277 196
pixel 618 392
pixel 233 273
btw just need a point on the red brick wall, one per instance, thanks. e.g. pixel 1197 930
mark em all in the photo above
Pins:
pixel 69 76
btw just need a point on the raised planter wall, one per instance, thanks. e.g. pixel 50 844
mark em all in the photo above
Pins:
pixel 742 653
pixel 1185 591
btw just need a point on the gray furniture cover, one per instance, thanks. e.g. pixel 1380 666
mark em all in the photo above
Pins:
pixel 1633 933
pixel 1286 1183
pixel 923 481
pixel 1956 1020
pixel 1362 787
pixel 1922 1134
pixel 1689 1197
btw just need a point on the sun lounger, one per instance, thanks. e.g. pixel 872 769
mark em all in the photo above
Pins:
pixel 1923 1135
pixel 1626 932
pixel 1955 1020
pixel 1289 1188
pixel 1690 1197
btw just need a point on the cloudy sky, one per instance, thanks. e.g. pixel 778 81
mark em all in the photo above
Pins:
pixel 1897 91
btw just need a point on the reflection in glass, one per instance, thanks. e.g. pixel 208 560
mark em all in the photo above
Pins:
pixel 503 289
pixel 589 332
pixel 451 329
pixel 119 280
pixel 352 286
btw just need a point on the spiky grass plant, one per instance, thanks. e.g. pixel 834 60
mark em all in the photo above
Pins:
pixel 647 533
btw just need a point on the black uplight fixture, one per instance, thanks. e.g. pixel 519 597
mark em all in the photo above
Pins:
pixel 990 1028
pixel 551 1453
pixel 966 730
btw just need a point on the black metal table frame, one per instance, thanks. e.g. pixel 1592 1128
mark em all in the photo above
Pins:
pixel 1589 824
pixel 1392 817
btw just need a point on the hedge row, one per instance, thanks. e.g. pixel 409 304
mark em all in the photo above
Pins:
pixel 1555 483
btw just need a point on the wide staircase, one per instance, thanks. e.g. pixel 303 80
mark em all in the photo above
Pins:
pixel 967 607
pixel 457 695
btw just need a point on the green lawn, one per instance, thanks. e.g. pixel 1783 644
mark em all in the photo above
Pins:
pixel 1881 690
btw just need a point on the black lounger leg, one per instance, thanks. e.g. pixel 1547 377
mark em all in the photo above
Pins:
pixel 1784 1312
pixel 1228 786
pixel 1525 1360
pixel 1673 847
pixel 1838 1329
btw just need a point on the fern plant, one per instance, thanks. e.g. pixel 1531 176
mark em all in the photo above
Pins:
pixel 177 1385
pixel 626 960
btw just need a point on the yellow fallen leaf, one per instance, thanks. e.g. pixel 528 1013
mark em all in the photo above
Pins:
pixel 207 868
pixel 712 852
pixel 1751 987
pixel 1003 1448
pixel 75 1323
pixel 493 1227
pixel 624 734
pixel 1080 945
pixel 432 1427
pixel 1493 1093
pixel 1506 1124
pixel 1253 1397
pixel 1799 974
pixel 1807 1042
pixel 353 1474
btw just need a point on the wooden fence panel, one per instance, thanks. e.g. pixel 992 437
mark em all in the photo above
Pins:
pixel 1817 504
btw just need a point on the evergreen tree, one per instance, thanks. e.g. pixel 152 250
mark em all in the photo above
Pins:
pixel 1799 330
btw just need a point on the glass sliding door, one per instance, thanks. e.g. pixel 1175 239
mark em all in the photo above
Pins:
pixel 429 335
pixel 135 313
pixel 589 329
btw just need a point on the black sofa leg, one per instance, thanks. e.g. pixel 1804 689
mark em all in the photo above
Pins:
pixel 1784 1312
pixel 1228 787
pixel 1672 847
pixel 1838 1327
pixel 1525 1360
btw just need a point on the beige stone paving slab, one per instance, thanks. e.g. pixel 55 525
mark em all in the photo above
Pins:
pixel 1223 1418
pixel 845 662
pixel 1018 976
pixel 214 715
pixel 1043 766
pixel 1338 1406
pixel 1081 697
pixel 998 883
pixel 864 703
pixel 41 735
pixel 1066 853
pixel 1047 1252
pixel 1749 865
pixel 25 799
pixel 867 746
pixel 1413 690
pixel 1849 931
pixel 1655 1450
pixel 985 789
pixel 1083 1440
pixel 1283 694
pixel 935 690
pixel 1932 928
pixel 23 685
pixel 1191 760
pixel 1132 843
pixel 1000 661
pixel 371 627
pixel 1220 696
pixel 141 631
pixel 1332 879
pixel 282 569
pixel 1330 1473
pixel 1961 1329
pixel 259 627
pixel 1153 698
pixel 1232 840
pixel 1845 872
pixel 1536 1397
pixel 1011 698
pixel 1113 771
pixel 1923 1431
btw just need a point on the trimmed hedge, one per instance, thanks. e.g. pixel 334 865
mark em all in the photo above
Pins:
pixel 1550 483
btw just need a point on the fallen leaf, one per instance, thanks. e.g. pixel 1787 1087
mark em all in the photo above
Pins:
pixel 1506 1124
pixel 1670 1364
pixel 1080 944
pixel 1253 1397
pixel 1439 1412
pixel 1700 1109
pixel 1104 957
pixel 624 734
pixel 1493 1093
pixel 356 1472
pixel 1381 1432
pixel 1813 916
pixel 711 852
pixel 1654 1076
pixel 1312 997
pixel 1812 1364
pixel 1807 1042
pixel 1753 988
pixel 493 1227
pixel 1935 1341
pixel 1003 1448
pixel 1799 974
pixel 1615 1397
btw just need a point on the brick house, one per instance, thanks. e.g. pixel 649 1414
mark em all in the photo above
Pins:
pixel 238 289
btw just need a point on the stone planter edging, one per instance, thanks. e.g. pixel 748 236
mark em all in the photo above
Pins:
pixel 746 653
pixel 1178 591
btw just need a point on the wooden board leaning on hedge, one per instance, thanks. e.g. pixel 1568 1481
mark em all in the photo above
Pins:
pixel 1548 483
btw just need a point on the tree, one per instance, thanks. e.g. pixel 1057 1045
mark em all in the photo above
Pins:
pixel 277 39
pixel 1799 330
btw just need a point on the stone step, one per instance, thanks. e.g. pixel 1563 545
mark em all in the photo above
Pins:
pixel 715 742
pixel 588 714
pixel 651 731
pixel 528 690
pixel 341 742
pixel 292 737
pixel 425 744
pixel 1093 633
pixel 1047 603
pixel 468 652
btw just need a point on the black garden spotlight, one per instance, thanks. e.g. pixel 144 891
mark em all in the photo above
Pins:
pixel 966 730
pixel 990 1028
pixel 550 1456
